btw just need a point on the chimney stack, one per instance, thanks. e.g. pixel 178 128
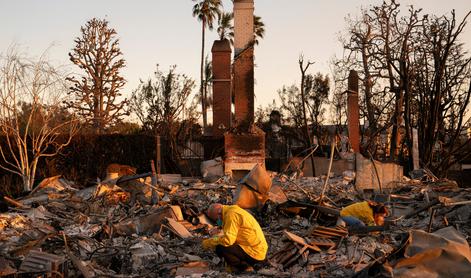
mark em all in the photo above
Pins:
pixel 244 62
pixel 221 64
pixel 353 111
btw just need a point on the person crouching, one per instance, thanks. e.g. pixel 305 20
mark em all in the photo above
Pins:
pixel 363 214
pixel 242 244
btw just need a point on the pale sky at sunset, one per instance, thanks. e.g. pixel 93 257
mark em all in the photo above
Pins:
pixel 164 32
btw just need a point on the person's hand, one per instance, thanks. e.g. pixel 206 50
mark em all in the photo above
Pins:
pixel 214 231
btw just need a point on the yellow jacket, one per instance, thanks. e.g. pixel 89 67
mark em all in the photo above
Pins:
pixel 240 228
pixel 361 211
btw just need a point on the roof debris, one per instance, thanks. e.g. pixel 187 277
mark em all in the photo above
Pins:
pixel 114 230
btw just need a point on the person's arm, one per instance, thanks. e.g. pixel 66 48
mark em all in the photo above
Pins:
pixel 369 220
pixel 230 229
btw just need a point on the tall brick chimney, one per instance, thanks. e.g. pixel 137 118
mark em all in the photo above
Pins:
pixel 244 61
pixel 353 111
pixel 244 148
pixel 221 64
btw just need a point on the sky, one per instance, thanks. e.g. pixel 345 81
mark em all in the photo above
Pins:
pixel 164 32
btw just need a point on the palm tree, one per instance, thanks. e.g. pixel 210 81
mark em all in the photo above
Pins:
pixel 226 27
pixel 259 28
pixel 206 12
pixel 208 78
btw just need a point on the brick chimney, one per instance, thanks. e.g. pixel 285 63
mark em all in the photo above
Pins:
pixel 353 111
pixel 221 64
pixel 244 62
pixel 244 148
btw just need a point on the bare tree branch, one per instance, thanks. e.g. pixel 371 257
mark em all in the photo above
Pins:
pixel 30 128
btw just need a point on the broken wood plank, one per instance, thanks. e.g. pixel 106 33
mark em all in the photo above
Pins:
pixel 305 257
pixel 322 242
pixel 296 256
pixel 178 228
pixel 77 262
pixel 324 233
pixel 288 255
pixel 14 202
pixel 453 204
pixel 301 241
pixel 327 232
pixel 275 257
pixel 336 229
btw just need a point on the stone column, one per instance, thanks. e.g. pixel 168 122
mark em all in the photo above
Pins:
pixel 353 111
pixel 221 64
pixel 244 61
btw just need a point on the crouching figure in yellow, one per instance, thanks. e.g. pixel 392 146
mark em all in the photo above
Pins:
pixel 242 244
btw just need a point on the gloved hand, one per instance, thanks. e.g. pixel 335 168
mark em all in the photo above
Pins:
pixel 208 244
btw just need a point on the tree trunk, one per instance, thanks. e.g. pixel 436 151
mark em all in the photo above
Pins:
pixel 407 100
pixel 370 111
pixel 26 183
pixel 202 94
pixel 32 173
pixel 396 138
pixel 368 84
pixel 306 128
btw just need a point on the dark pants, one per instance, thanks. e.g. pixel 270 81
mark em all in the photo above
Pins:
pixel 353 222
pixel 236 257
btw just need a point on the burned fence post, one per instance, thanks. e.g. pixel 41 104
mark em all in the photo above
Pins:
pixel 158 154
pixel 154 178
pixel 415 149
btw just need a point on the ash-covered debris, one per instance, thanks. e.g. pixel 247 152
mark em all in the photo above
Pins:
pixel 115 231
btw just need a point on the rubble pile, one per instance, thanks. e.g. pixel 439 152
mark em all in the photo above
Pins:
pixel 113 229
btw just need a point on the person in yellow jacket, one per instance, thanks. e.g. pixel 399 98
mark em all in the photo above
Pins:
pixel 364 213
pixel 242 244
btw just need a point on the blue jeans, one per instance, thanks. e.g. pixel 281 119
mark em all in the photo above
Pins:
pixel 353 221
